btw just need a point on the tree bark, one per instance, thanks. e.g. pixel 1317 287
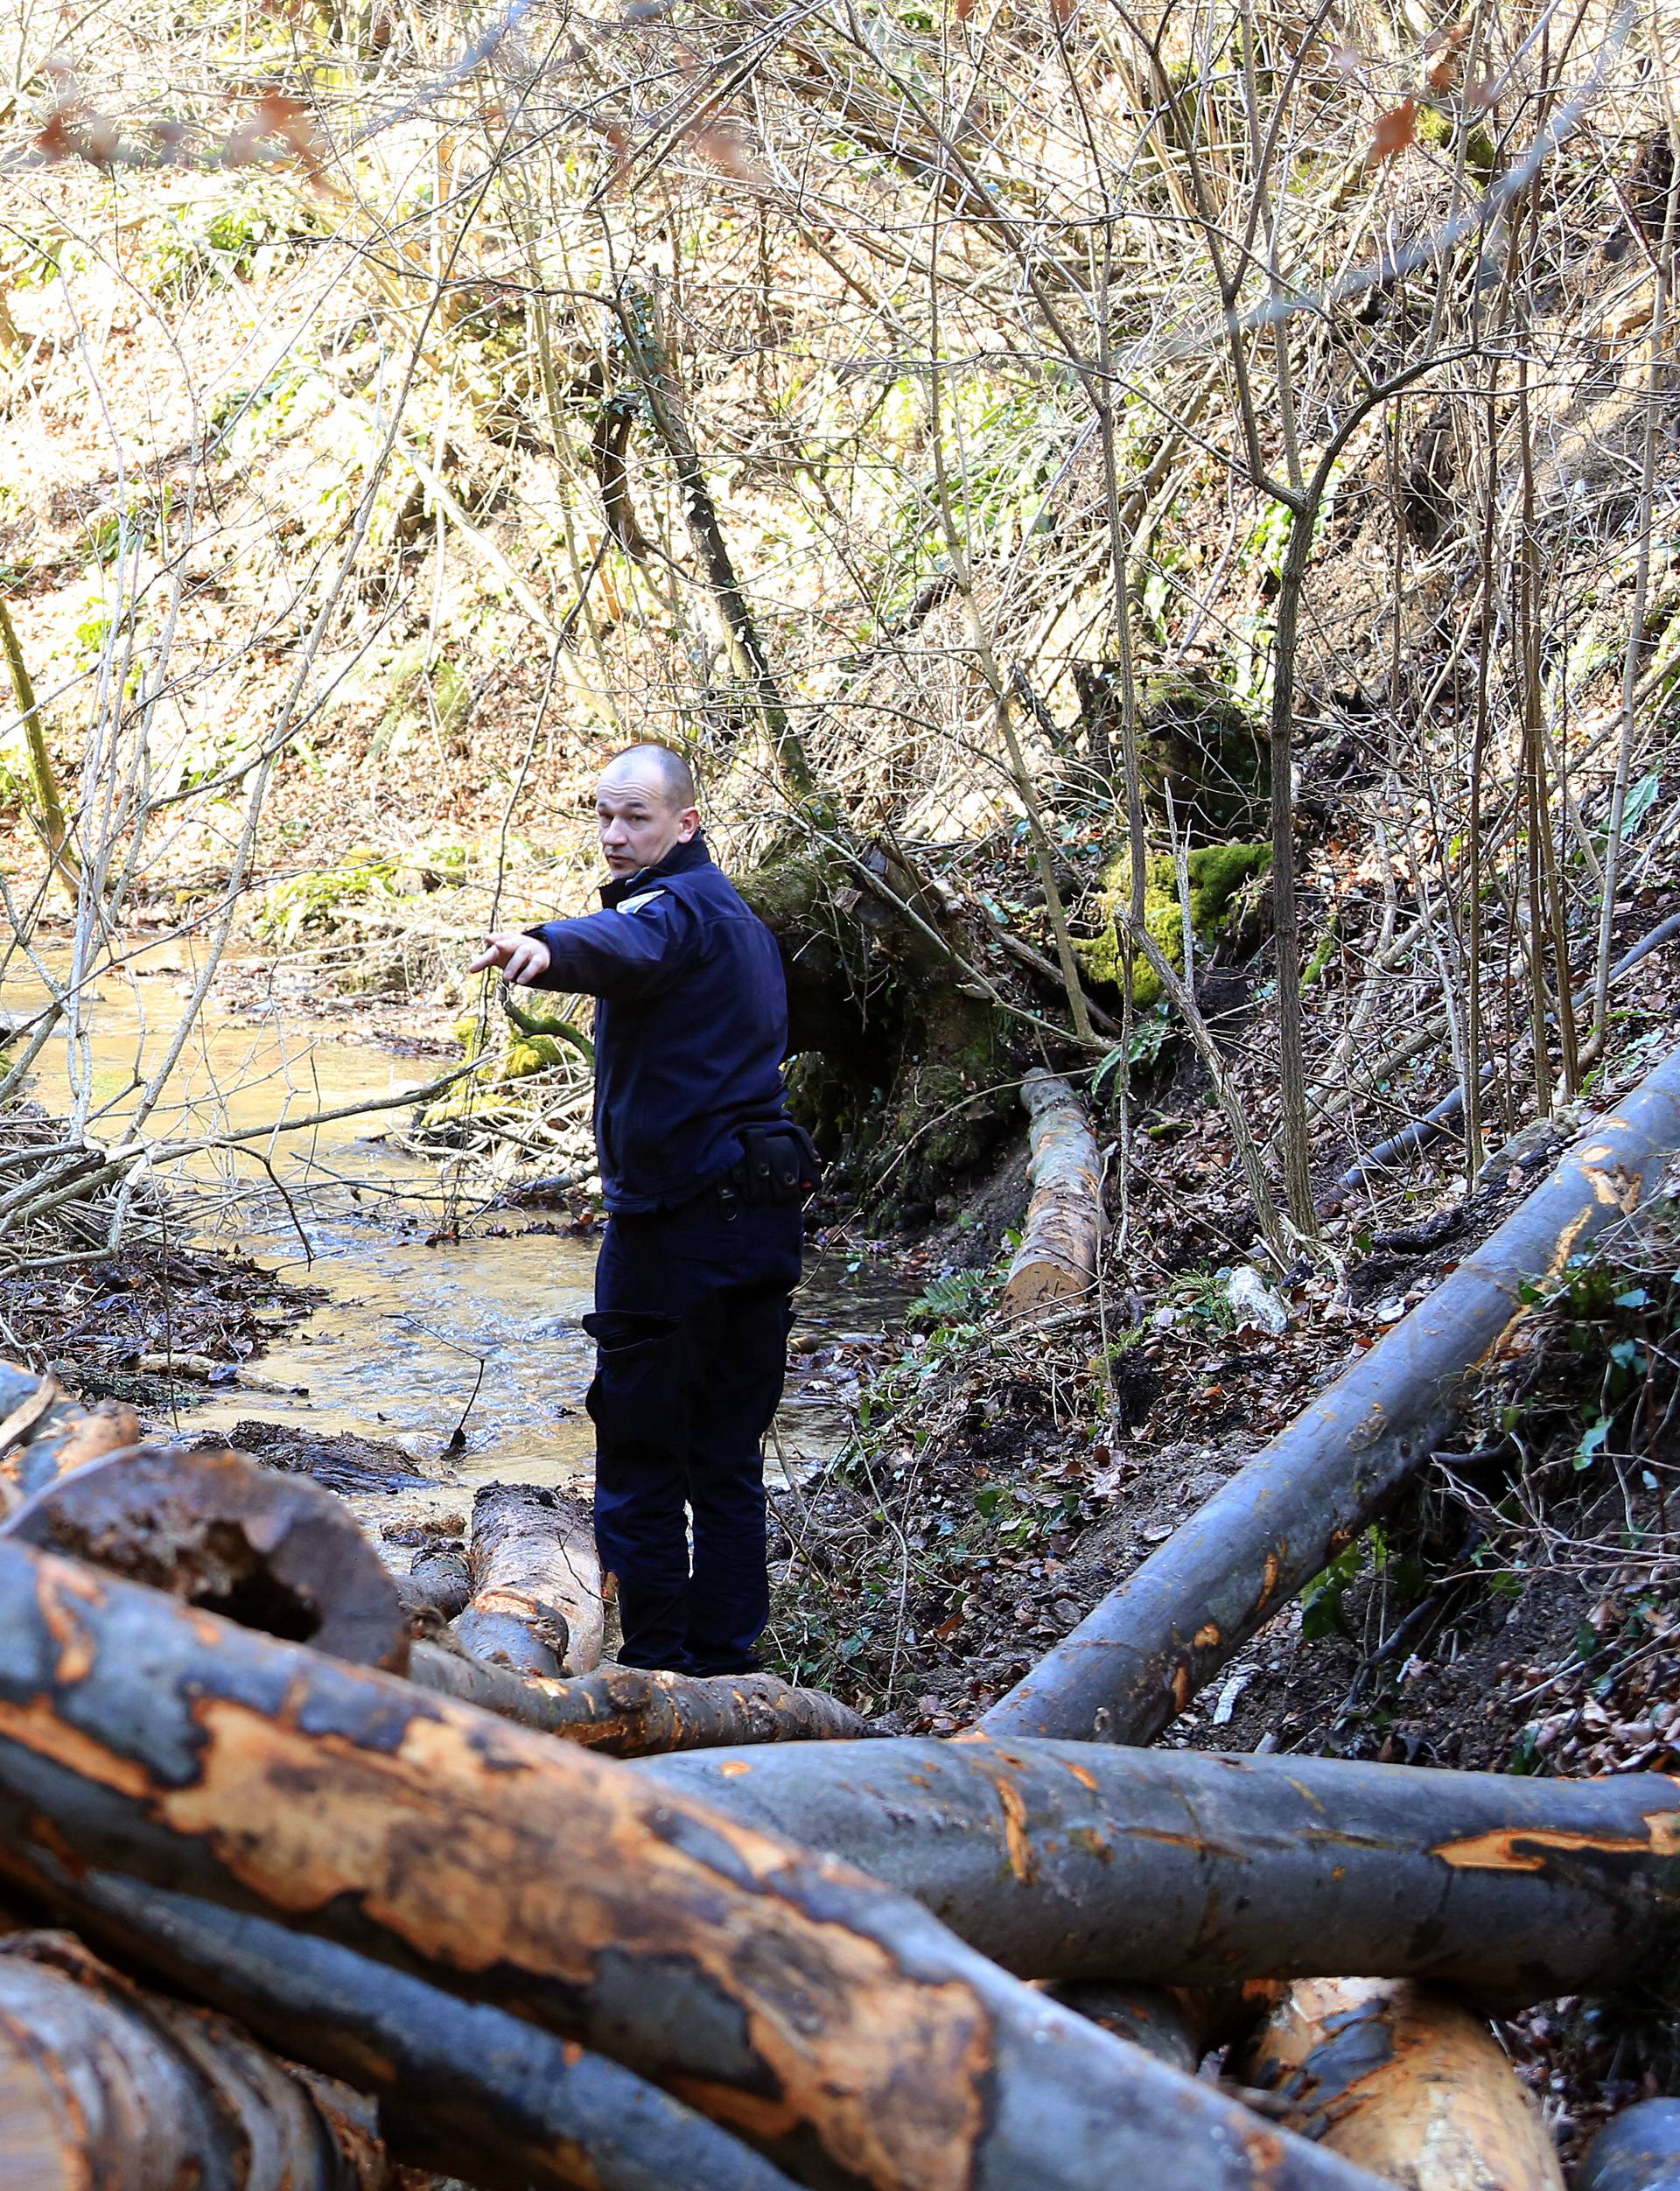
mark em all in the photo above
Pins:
pixel 274 1552
pixel 1175 1867
pixel 623 1712
pixel 439 1575
pixel 43 1434
pixel 1404 2081
pixel 1057 1257
pixel 536 1583
pixel 838 2025
pixel 103 2084
pixel 1638 2150
pixel 460 2086
pixel 1136 1660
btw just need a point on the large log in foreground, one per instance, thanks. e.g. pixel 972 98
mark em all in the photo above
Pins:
pixel 1057 1257
pixel 1181 1867
pixel 1135 1660
pixel 836 2025
pixel 460 2086
pixel 272 1551
pixel 1405 2082
pixel 536 1602
pixel 1638 2150
pixel 103 2085
pixel 627 1712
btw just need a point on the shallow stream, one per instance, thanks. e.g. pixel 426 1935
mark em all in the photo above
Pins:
pixel 439 1315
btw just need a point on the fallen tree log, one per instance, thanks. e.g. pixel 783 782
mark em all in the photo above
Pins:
pixel 838 2025
pixel 460 2086
pixel 1179 1867
pixel 1135 1660
pixel 1638 2150
pixel 271 1551
pixel 43 1434
pixel 1157 2020
pixel 536 1584
pixel 1064 1220
pixel 1404 2081
pixel 441 1576
pixel 103 2085
pixel 624 1712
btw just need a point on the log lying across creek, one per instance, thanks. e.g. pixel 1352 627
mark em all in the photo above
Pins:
pixel 1404 2081
pixel 537 1605
pixel 1135 1660
pixel 1181 1867
pixel 838 2025
pixel 1056 1260
pixel 106 2086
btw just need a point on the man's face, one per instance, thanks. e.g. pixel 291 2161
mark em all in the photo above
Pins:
pixel 638 825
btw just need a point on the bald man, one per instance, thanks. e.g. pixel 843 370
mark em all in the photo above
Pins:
pixel 704 1178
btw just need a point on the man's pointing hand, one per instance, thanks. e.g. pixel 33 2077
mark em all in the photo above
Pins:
pixel 521 958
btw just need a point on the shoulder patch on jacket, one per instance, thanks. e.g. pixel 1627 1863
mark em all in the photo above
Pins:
pixel 642 898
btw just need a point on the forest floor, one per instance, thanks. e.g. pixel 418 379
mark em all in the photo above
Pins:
pixel 1520 1613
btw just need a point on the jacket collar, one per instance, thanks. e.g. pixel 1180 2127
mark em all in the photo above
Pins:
pixel 678 861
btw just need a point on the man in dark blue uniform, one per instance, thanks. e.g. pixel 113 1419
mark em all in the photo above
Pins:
pixel 704 1177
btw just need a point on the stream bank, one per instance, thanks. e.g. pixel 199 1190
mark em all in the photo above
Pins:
pixel 339 1285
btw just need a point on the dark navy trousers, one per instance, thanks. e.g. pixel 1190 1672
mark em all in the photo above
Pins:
pixel 690 1328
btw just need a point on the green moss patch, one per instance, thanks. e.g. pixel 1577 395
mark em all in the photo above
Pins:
pixel 1217 873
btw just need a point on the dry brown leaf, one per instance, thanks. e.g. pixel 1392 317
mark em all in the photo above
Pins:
pixel 720 145
pixel 1395 133
pixel 1450 44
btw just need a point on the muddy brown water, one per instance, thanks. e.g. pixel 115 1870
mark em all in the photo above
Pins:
pixel 438 1313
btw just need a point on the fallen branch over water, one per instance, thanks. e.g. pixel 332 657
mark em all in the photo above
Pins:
pixel 1177 1868
pixel 1135 1660
pixel 845 2030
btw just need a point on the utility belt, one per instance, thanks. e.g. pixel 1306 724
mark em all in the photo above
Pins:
pixel 778 1166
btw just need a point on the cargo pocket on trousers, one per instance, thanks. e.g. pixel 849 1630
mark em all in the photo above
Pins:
pixel 639 1395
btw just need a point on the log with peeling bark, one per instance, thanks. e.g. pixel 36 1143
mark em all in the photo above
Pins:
pixel 460 2086
pixel 1135 1660
pixel 274 1552
pixel 1404 2081
pixel 1179 1868
pixel 624 1712
pixel 43 1434
pixel 104 2085
pixel 1638 2150
pixel 837 2025
pixel 1056 1260
pixel 537 1604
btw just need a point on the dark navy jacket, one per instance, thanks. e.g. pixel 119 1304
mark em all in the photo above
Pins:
pixel 690 1026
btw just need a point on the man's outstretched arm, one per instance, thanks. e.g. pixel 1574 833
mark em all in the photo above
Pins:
pixel 627 952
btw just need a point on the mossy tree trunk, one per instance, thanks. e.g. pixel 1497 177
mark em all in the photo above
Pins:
pixel 903 1067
